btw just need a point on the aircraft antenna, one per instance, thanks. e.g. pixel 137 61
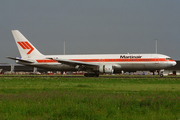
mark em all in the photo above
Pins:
pixel 156 45
pixel 64 46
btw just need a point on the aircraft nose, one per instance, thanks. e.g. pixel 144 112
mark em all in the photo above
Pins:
pixel 174 63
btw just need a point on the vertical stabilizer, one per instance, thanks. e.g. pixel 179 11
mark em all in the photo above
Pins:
pixel 26 49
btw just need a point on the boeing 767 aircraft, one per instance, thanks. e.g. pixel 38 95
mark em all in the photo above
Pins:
pixel 93 64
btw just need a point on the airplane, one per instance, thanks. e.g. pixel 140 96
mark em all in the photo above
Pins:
pixel 93 64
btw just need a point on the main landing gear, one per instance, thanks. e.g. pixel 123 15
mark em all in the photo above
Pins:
pixel 91 75
pixel 161 75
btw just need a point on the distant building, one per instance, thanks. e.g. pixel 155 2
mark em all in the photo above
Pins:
pixel 19 68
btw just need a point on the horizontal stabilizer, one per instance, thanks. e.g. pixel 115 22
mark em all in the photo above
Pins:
pixel 21 60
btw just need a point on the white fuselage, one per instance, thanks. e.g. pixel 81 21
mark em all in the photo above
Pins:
pixel 92 63
pixel 125 62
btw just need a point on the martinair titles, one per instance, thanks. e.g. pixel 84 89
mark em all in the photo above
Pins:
pixel 124 56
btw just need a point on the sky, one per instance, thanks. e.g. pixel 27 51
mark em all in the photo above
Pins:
pixel 91 26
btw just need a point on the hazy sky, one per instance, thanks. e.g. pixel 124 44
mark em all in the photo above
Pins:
pixel 91 26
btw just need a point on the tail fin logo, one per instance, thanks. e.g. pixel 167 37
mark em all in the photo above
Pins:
pixel 26 45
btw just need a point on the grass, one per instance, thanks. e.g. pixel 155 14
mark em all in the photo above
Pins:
pixel 89 98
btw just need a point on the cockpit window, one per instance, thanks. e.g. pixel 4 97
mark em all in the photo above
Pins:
pixel 168 59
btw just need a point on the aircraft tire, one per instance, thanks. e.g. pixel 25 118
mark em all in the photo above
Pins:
pixel 96 75
pixel 161 75
pixel 86 75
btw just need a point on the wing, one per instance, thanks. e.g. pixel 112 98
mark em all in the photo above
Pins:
pixel 75 63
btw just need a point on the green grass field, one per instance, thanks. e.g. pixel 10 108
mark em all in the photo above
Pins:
pixel 89 98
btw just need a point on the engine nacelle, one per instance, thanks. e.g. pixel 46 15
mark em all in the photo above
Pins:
pixel 106 69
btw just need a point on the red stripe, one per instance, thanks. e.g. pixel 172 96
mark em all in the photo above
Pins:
pixel 46 61
pixel 21 45
pixel 111 60
pixel 121 60
pixel 30 47
pixel 25 45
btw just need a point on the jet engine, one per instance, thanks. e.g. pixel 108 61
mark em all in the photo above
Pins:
pixel 106 69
